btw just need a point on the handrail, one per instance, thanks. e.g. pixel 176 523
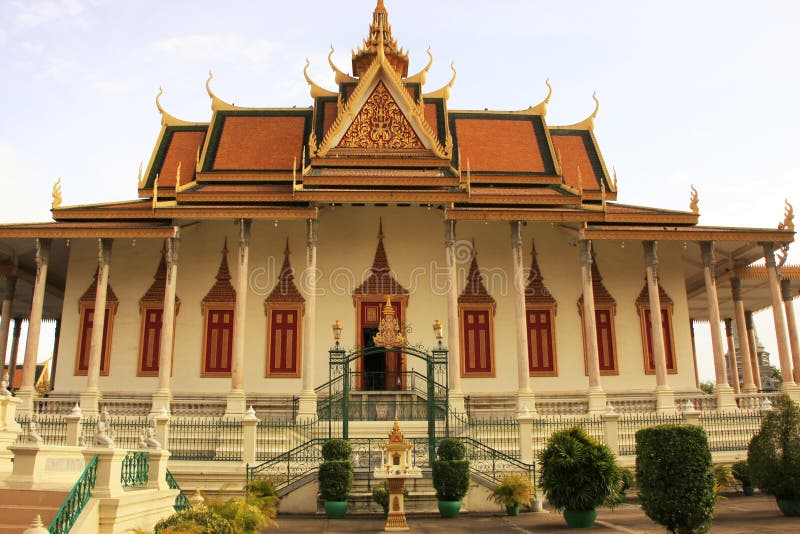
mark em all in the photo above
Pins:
pixel 478 453
pixel 135 469
pixel 181 501
pixel 300 452
pixel 78 496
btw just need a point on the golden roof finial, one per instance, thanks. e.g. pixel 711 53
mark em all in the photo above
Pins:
pixel 603 194
pixel 615 177
pixel 444 92
pixel 316 90
pixel 788 217
pixel 341 77
pixel 56 195
pixel 155 191
pixel 541 107
pixel 422 76
pixel 178 177
pixel 694 201
pixel 588 122
pixel 166 118
pixel 216 102
pixel 140 178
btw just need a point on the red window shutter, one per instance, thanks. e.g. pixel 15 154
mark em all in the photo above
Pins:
pixel 541 350
pixel 219 341
pixel 605 340
pixel 665 326
pixel 85 341
pixel 283 342
pixel 151 340
pixel 477 342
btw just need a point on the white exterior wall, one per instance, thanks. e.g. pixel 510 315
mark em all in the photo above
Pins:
pixel 414 241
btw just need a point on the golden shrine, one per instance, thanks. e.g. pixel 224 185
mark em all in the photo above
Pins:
pixel 397 467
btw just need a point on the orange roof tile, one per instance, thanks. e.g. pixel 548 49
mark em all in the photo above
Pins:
pixel 260 143
pixel 508 145
pixel 574 153
pixel 183 147
pixel 329 110
pixel 431 116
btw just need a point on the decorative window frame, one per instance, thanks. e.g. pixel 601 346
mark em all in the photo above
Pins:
pixel 144 308
pixel 108 326
pixel 216 306
pixel 612 312
pixel 491 309
pixel 551 310
pixel 666 306
pixel 269 309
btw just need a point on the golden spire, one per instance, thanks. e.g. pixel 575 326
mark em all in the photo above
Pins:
pixel 380 40
pixel 694 201
pixel 788 217
pixel 56 194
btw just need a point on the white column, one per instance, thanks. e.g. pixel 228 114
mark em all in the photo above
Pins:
pixel 597 397
pixel 236 397
pixel 791 325
pixel 723 390
pixel 748 385
pixel 755 365
pixel 788 386
pixel 308 398
pixel 525 397
pixel 5 314
pixel 26 392
pixel 665 398
pixel 163 395
pixel 454 365
pixel 90 398
pixel 734 367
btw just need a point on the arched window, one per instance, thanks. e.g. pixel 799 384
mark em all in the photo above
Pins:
pixel 284 308
pixel 151 309
pixel 605 308
pixel 86 312
pixel 476 309
pixel 540 317
pixel 218 311
pixel 643 308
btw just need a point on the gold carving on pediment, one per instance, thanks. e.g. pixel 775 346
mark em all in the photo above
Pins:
pixel 380 124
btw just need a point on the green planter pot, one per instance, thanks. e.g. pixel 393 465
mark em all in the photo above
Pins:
pixel 512 510
pixel 580 518
pixel 449 509
pixel 789 507
pixel 749 490
pixel 336 509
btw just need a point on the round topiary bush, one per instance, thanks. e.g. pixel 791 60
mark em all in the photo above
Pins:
pixel 336 449
pixel 335 479
pixel 451 449
pixel 199 520
pixel 578 473
pixel 774 453
pixel 675 477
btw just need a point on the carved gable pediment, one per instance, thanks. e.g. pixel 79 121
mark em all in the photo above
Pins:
pixel 380 124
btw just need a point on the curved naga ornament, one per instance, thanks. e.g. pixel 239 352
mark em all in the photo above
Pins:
pixel 316 90
pixel 694 201
pixel 341 77
pixel 56 194
pixel 788 217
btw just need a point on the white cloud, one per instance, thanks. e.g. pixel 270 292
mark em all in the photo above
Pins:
pixel 215 47
pixel 37 12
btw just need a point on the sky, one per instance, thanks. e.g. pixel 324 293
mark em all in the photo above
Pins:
pixel 691 93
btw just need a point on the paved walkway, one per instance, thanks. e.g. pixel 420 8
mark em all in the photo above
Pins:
pixel 735 514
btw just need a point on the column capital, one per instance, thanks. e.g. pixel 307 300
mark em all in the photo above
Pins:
pixel 104 250
pixel 43 251
pixel 786 290
pixel 707 251
pixel 586 252
pixel 449 233
pixel 516 234
pixel 244 232
pixel 748 319
pixel 651 254
pixel 736 288
pixel 769 254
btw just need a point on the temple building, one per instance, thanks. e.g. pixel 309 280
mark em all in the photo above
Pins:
pixel 254 232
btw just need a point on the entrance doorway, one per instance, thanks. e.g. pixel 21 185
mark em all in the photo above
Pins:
pixel 379 370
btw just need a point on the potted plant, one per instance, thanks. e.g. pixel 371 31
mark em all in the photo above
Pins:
pixel 578 474
pixel 628 482
pixel 335 477
pixel 450 476
pixel 513 491
pixel 741 472
pixel 380 494
pixel 774 455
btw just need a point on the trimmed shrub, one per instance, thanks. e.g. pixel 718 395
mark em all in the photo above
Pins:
pixel 741 472
pixel 336 449
pixel 628 479
pixel 199 520
pixel 451 479
pixel 578 473
pixel 335 479
pixel 675 477
pixel 380 493
pixel 451 449
pixel 774 453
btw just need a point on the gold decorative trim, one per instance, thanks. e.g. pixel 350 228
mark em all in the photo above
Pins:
pixel 788 217
pixel 189 212
pixel 422 76
pixel 86 232
pixel 541 107
pixel 57 200
pixel 694 201
pixel 217 104
pixel 316 90
pixel 341 77
pixel 679 234
pixel 166 118
pixel 444 92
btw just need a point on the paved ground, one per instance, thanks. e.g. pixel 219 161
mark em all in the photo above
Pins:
pixel 735 514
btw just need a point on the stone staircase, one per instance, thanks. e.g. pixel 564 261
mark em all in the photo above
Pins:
pixel 19 507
